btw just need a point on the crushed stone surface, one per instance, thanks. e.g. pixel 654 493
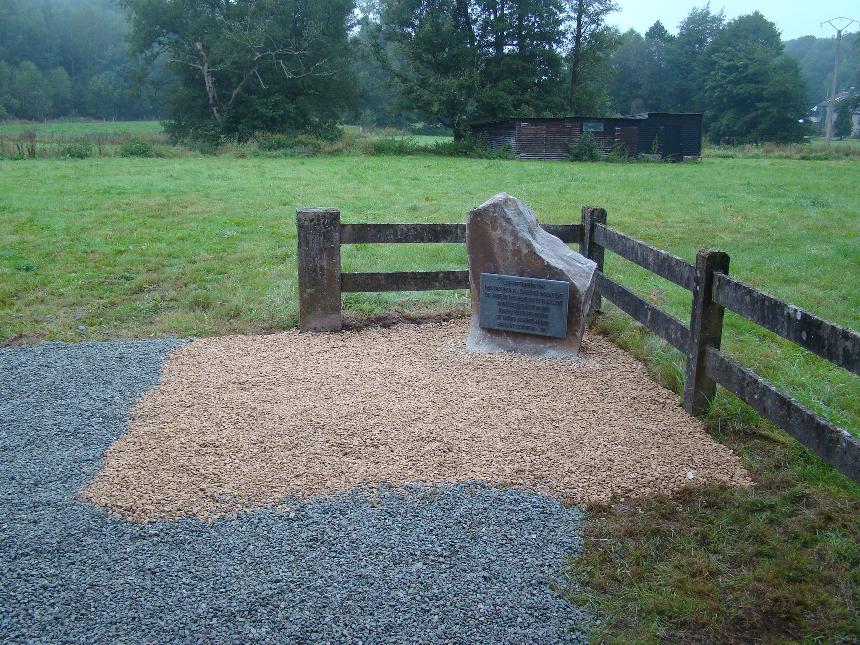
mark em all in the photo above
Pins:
pixel 458 563
pixel 242 421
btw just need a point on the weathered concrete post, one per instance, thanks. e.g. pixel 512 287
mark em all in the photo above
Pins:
pixel 592 215
pixel 706 330
pixel 318 231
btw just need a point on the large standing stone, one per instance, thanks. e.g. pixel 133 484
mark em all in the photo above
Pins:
pixel 503 237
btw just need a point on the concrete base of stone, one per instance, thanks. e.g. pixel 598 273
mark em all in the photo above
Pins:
pixel 491 341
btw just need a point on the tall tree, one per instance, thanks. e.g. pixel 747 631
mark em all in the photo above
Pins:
pixel 459 60
pixel 434 57
pixel 61 90
pixel 685 80
pixel 379 101
pixel 6 100
pixel 32 93
pixel 590 43
pixel 843 125
pixel 657 71
pixel 104 94
pixel 753 91
pixel 523 70
pixel 815 56
pixel 248 65
pixel 640 71
pixel 70 42
pixel 628 63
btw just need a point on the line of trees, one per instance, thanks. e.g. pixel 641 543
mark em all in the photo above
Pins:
pixel 737 73
pixel 234 67
pixel 815 56
pixel 70 57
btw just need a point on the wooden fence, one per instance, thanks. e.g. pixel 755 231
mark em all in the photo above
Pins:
pixel 320 236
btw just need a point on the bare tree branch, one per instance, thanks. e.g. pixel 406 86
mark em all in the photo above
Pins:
pixel 208 81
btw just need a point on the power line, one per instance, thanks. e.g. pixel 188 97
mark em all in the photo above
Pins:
pixel 828 119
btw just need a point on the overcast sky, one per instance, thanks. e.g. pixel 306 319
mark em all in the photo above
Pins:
pixel 792 17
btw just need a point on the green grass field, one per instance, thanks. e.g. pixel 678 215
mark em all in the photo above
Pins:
pixel 127 247
pixel 73 129
pixel 81 128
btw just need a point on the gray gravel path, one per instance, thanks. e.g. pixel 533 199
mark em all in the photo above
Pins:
pixel 458 563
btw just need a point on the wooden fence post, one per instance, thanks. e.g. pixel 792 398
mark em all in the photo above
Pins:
pixel 706 330
pixel 592 215
pixel 318 231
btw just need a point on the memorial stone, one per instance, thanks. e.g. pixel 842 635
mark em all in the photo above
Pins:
pixel 530 291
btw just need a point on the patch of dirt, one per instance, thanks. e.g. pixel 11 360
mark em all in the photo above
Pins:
pixel 240 421
pixel 402 317
pixel 21 340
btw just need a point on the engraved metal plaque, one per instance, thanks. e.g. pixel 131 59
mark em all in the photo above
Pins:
pixel 525 305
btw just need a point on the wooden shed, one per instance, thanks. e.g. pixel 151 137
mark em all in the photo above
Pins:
pixel 667 135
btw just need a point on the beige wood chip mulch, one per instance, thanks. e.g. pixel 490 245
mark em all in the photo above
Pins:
pixel 240 421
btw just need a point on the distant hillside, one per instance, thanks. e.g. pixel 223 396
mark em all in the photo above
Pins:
pixel 70 57
pixel 815 56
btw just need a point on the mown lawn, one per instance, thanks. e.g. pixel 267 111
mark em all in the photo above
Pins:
pixel 189 246
pixel 81 128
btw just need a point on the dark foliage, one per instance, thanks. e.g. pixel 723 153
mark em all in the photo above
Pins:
pixel 458 60
pixel 69 57
pixel 586 149
pixel 753 92
pixel 843 126
pixel 249 65
pixel 736 73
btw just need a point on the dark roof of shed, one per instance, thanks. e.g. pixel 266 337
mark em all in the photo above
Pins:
pixel 641 116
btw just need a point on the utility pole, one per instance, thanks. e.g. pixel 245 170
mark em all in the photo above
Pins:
pixel 828 119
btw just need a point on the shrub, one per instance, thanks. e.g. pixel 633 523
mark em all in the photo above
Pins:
pixel 180 131
pixel 274 141
pixel 324 131
pixel 304 144
pixel 204 146
pixel 803 151
pixel 392 146
pixel 586 149
pixel 619 154
pixel 469 146
pixel 348 142
pixel 101 140
pixel 136 148
pixel 26 144
pixel 80 150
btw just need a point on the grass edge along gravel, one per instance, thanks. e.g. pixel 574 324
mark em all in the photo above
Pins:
pixel 775 562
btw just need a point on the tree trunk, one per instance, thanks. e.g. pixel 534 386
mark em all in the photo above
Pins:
pixel 458 127
pixel 211 92
pixel 576 56
pixel 464 21
pixel 498 33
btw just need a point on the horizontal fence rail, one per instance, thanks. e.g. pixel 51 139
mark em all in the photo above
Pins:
pixel 713 290
pixel 321 282
pixel 433 233
pixel 404 281
pixel 837 344
pixel 402 233
pixel 666 326
pixel 655 260
pixel 833 444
